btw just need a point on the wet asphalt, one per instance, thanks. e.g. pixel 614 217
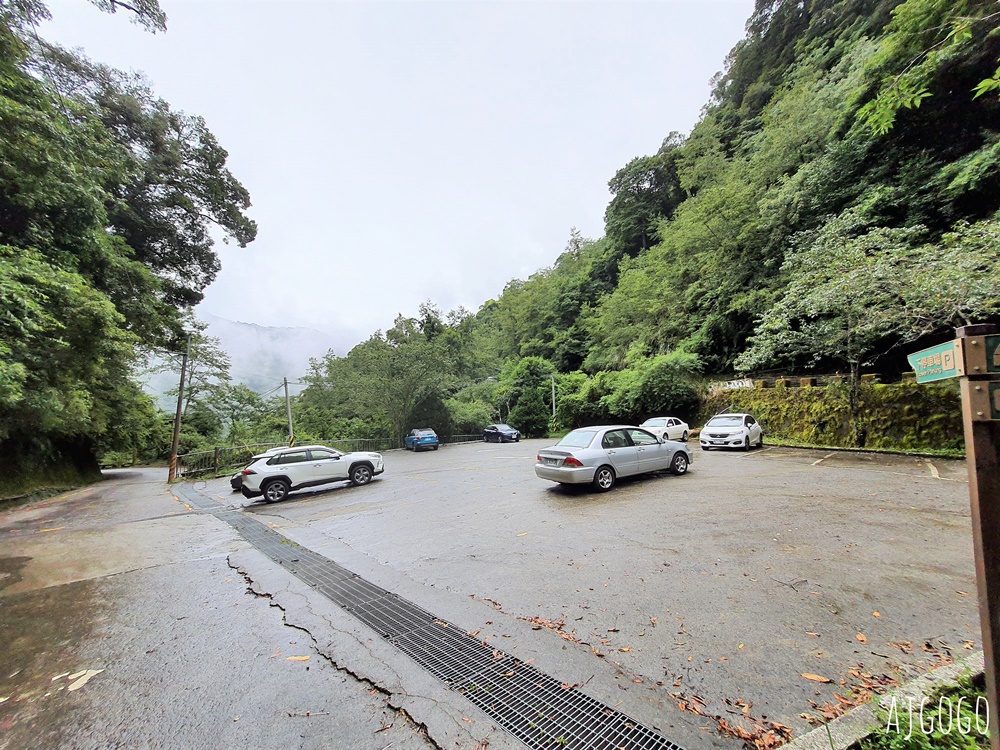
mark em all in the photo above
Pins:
pixel 714 591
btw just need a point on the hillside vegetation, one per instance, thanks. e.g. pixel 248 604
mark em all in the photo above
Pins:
pixel 835 206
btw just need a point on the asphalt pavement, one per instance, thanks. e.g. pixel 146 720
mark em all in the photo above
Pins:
pixel 695 604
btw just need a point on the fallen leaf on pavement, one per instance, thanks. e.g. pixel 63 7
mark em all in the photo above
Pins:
pixel 523 533
pixel 968 644
pixel 814 635
pixel 296 658
pixel 84 679
pixel 815 677
pixel 876 614
pixel 625 650
pixel 861 637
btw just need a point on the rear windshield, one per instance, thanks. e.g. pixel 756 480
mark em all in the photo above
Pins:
pixel 578 439
pixel 725 421
pixel 425 432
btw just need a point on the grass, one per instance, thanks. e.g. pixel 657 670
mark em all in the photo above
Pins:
pixel 949 721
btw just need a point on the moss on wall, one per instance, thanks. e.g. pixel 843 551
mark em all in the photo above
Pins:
pixel 902 416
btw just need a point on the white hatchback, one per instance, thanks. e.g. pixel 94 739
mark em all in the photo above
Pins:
pixel 731 431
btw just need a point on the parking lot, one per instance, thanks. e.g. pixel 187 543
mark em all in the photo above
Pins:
pixel 678 599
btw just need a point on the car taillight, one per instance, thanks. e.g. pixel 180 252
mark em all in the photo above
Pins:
pixel 570 461
pixel 538 458
pixel 247 472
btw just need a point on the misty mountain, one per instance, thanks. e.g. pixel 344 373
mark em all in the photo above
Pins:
pixel 260 356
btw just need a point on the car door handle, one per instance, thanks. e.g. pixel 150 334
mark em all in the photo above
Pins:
pixel 611 452
pixel 640 449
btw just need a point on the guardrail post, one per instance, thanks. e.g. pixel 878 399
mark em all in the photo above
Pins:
pixel 216 460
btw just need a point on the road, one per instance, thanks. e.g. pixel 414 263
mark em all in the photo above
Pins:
pixel 713 592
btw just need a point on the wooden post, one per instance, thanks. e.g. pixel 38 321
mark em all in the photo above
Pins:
pixel 982 450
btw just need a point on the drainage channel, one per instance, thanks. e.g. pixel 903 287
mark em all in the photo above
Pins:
pixel 525 702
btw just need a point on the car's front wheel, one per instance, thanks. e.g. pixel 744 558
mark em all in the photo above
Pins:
pixel 361 474
pixel 604 479
pixel 275 490
pixel 746 443
pixel 680 464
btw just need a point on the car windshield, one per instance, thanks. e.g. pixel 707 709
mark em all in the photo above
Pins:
pixel 725 421
pixel 578 439
pixel 504 427
pixel 655 422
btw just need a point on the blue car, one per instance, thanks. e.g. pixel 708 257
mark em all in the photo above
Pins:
pixel 420 439
pixel 500 433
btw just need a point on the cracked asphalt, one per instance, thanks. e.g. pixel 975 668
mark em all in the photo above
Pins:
pixel 715 591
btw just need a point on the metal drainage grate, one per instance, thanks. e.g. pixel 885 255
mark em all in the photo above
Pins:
pixel 527 703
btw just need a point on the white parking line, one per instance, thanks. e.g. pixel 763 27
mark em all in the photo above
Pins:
pixel 821 460
pixel 934 472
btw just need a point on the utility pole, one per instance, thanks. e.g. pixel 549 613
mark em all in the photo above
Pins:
pixel 172 473
pixel 288 413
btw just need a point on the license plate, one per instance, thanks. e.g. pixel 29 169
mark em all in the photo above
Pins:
pixel 551 461
pixel 718 442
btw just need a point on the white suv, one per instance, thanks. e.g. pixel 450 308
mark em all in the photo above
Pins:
pixel 276 473
pixel 731 431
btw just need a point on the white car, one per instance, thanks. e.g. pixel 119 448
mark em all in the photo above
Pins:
pixel 277 473
pixel 670 428
pixel 731 431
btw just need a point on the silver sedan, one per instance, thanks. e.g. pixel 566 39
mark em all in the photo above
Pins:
pixel 599 455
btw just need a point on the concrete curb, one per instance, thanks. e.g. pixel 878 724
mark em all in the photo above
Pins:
pixel 859 722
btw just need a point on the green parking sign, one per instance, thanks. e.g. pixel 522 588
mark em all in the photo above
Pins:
pixel 937 363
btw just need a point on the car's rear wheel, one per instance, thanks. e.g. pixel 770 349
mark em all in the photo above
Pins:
pixel 760 441
pixel 436 447
pixel 684 437
pixel 680 463
pixel 604 479
pixel 361 474
pixel 275 490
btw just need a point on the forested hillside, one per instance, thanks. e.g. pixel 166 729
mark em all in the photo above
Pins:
pixel 835 205
pixel 107 200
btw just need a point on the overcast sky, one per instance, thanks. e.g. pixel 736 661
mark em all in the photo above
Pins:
pixel 402 151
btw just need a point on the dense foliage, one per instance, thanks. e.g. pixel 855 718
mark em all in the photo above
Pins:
pixel 836 205
pixel 107 200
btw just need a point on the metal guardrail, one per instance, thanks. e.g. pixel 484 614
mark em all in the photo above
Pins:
pixel 219 459
pixel 232 457
pixel 456 439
